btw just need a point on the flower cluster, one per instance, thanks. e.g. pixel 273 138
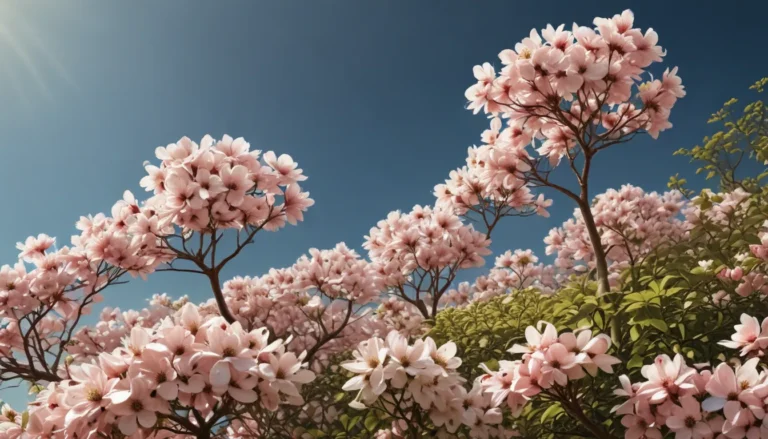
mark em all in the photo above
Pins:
pixel 753 282
pixel 403 379
pixel 460 296
pixel 224 184
pixel 183 371
pixel 631 224
pixel 586 75
pixel 129 239
pixel 747 282
pixel 337 274
pixel 549 360
pixel 516 270
pixel 419 254
pixel 667 397
pixel 317 300
pixel 717 208
pixel 114 325
pixel 425 238
pixel 727 402
pixel 491 183
pixel 750 337
pixel 49 288
pixel 404 317
pixel 106 248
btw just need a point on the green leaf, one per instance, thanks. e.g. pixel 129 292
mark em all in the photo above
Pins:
pixel 634 297
pixel 698 270
pixel 599 317
pixel 672 291
pixel 635 306
pixel 371 422
pixel 661 325
pixel 551 411
pixel 635 362
pixel 666 279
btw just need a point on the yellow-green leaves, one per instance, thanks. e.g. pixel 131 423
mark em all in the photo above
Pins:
pixel 742 136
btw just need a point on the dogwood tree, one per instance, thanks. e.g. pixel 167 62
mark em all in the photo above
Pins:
pixel 567 94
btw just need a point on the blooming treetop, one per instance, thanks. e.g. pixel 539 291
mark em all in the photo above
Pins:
pixel 566 85
pixel 210 188
pixel 419 254
pixel 319 301
pixel 570 94
pixel 514 270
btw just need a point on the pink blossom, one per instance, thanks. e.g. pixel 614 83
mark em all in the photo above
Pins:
pixel 749 335
pixel 687 421
pixel 369 365
pixel 536 340
pixel 34 248
pixel 666 377
pixel 733 393
pixel 135 406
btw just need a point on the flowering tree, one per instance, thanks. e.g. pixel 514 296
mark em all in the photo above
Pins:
pixel 176 371
pixel 578 92
pixel 631 224
pixel 201 191
pixel 393 344
pixel 420 254
pixel 318 302
pixel 672 379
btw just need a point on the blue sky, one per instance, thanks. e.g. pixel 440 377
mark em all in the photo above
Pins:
pixel 368 97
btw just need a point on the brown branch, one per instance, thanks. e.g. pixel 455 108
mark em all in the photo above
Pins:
pixel 330 336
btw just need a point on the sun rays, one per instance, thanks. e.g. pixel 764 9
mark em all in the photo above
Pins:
pixel 29 68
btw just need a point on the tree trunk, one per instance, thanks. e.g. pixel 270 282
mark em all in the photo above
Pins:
pixel 597 246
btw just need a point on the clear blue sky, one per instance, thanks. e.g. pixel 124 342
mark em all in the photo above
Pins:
pixel 367 96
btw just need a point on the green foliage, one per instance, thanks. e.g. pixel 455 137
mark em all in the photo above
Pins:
pixel 666 305
pixel 740 136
